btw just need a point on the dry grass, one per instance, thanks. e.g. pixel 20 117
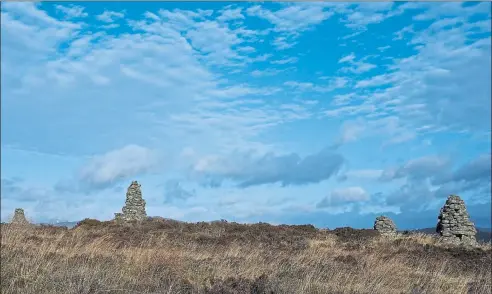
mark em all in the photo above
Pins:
pixel 162 256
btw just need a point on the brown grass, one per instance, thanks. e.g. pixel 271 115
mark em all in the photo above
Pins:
pixel 163 256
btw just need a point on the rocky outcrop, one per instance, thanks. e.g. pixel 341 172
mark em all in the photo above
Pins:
pixel 454 225
pixel 19 217
pixel 385 226
pixel 134 209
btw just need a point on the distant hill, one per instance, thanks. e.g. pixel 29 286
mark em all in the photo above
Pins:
pixel 483 234
pixel 64 224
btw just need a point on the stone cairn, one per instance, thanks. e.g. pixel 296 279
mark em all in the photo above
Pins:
pixel 134 209
pixel 454 225
pixel 385 226
pixel 19 218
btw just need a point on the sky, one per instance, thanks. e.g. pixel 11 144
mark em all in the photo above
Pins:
pixel 322 113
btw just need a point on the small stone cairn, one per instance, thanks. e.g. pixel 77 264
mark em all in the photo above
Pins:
pixel 134 209
pixel 19 218
pixel 454 225
pixel 385 226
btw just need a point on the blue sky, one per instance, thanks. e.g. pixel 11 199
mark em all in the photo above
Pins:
pixel 322 113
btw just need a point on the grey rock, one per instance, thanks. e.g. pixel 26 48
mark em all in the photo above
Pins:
pixel 19 217
pixel 385 226
pixel 134 209
pixel 454 225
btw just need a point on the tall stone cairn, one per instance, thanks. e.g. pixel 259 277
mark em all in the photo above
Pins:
pixel 134 209
pixel 385 226
pixel 454 225
pixel 19 218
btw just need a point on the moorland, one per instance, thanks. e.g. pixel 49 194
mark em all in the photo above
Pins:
pixel 166 256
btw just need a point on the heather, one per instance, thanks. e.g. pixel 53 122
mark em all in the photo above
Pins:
pixel 166 256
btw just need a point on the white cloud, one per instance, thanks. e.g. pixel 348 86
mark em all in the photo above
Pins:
pixel 115 165
pixel 343 99
pixel 354 66
pixel 347 58
pixel 30 11
pixel 110 16
pixel 383 48
pixel 231 14
pixel 358 67
pixel 401 34
pixel 295 17
pixel 286 60
pixel 390 129
pixel 430 88
pixel 172 65
pixel 351 110
pixel 305 86
pixel 110 26
pixel 216 41
pixel 72 11
pixel 291 20
pixel 340 196
pixel 433 12
pixel 25 28
pixel 378 209
pixel 283 43
pixel 351 132
pixel 332 84
pixel 359 16
pixel 265 73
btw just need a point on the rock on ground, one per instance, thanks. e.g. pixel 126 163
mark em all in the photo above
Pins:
pixel 19 217
pixel 454 225
pixel 134 209
pixel 385 226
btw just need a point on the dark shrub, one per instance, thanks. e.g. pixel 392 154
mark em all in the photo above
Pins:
pixel 88 222
pixel 347 234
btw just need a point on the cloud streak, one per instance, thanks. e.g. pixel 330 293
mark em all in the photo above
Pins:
pixel 250 170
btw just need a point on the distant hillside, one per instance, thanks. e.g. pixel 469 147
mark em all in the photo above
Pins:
pixel 64 224
pixel 483 234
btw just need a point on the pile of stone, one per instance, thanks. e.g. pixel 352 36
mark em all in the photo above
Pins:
pixel 19 217
pixel 454 225
pixel 134 209
pixel 385 226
